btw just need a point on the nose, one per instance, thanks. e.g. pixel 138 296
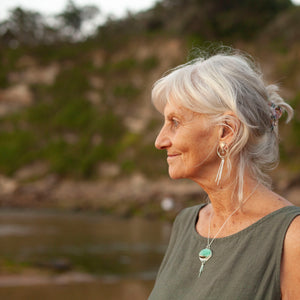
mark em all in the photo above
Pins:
pixel 162 140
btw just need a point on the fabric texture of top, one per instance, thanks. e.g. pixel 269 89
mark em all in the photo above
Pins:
pixel 244 265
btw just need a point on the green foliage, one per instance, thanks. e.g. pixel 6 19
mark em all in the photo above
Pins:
pixel 209 18
pixel 128 166
pixel 295 132
pixel 291 138
pixel 124 65
pixel 150 160
pixel 215 19
pixel 60 128
pixel 17 148
pixel 11 266
pixel 8 59
pixel 70 83
pixel 76 115
pixel 24 26
pixel 80 156
pixel 127 91
pixel 150 63
pixel 60 52
pixel 73 17
pixel 195 41
pixel 130 64
pixel 110 127
pixel 129 140
pixel 289 67
pixel 78 159
pixel 278 45
pixel 3 77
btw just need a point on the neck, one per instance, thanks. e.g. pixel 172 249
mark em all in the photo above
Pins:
pixel 224 198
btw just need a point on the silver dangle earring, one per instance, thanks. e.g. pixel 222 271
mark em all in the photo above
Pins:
pixel 222 152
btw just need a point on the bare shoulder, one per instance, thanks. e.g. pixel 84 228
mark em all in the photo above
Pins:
pixel 290 268
pixel 292 239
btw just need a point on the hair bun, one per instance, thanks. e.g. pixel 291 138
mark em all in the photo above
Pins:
pixel 276 113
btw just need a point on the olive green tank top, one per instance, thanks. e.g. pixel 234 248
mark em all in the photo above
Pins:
pixel 244 265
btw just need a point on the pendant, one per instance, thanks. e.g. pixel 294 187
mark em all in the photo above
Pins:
pixel 204 255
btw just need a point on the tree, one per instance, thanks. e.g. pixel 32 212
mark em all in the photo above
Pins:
pixel 218 19
pixel 73 18
pixel 23 26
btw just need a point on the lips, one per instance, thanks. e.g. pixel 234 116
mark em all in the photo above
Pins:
pixel 172 155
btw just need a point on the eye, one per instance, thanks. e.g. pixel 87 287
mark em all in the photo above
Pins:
pixel 175 122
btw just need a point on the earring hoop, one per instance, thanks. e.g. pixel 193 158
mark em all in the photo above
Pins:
pixel 222 150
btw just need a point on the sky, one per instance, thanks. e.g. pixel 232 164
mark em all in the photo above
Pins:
pixel 117 8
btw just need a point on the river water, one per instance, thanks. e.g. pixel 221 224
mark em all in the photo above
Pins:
pixel 59 255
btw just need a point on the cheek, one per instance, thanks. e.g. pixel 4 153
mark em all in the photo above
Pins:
pixel 192 153
pixel 201 151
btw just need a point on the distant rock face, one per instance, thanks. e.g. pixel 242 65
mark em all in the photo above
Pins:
pixel 34 170
pixel 15 97
pixel 98 58
pixel 135 125
pixel 36 74
pixel 19 94
pixel 93 97
pixel 109 170
pixel 7 185
pixel 96 82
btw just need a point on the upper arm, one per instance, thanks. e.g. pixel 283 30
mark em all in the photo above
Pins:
pixel 290 264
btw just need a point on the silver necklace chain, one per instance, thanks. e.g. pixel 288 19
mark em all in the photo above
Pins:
pixel 210 242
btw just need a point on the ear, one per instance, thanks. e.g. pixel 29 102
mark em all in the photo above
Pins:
pixel 229 127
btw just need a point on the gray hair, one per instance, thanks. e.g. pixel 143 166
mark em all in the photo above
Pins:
pixel 230 82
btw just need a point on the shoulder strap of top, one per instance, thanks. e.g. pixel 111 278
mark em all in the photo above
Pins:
pixel 189 214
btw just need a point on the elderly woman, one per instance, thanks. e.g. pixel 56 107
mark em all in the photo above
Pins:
pixel 220 130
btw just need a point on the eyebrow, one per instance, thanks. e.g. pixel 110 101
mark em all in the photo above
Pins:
pixel 172 115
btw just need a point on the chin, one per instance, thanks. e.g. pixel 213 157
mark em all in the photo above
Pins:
pixel 176 175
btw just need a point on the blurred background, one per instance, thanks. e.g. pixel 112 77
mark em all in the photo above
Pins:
pixel 86 202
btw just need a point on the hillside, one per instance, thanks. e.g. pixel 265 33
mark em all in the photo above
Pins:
pixel 77 125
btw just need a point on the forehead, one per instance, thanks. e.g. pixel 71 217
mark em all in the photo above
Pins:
pixel 172 108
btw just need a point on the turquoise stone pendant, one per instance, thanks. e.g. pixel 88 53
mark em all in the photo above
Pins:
pixel 204 255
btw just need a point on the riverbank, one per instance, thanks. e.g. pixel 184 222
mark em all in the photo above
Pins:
pixel 134 195
pixel 72 286
pixel 32 277
pixel 130 196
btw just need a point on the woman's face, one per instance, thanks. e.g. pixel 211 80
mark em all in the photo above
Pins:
pixel 191 141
